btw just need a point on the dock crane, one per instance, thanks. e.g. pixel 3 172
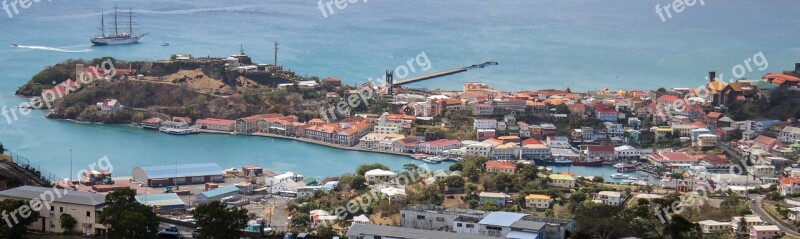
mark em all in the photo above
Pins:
pixel 390 84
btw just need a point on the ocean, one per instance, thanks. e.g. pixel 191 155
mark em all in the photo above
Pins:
pixel 581 44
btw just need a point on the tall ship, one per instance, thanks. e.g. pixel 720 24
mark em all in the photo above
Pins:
pixel 117 38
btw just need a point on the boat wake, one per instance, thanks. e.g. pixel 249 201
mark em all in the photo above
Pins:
pixel 45 48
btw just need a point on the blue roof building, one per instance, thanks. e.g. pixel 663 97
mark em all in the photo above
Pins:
pixel 166 175
pixel 164 202
pixel 217 194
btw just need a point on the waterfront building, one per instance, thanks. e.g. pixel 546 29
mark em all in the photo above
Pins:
pixel 560 142
pixel 152 123
pixel 227 193
pixel 439 146
pixel 600 152
pixel 378 141
pixel 626 152
pixel 165 175
pixel 534 151
pixel 668 158
pixel 406 145
pixel 507 151
pixel 248 124
pixel 216 124
pixel 478 149
pixel 84 207
pixel 109 106
pixel 164 202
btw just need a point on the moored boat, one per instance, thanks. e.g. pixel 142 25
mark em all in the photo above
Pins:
pixel 588 162
pixel 619 176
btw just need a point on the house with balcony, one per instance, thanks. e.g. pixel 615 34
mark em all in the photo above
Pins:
pixel 538 201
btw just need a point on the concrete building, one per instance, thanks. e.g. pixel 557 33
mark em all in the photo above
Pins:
pixel 497 198
pixel 711 226
pixel 84 207
pixel 610 198
pixel 560 180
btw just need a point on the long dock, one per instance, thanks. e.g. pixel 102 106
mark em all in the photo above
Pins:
pixel 430 76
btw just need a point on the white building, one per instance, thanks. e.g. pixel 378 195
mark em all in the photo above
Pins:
pixel 484 124
pixel 711 226
pixel 560 142
pixel 626 152
pixel 507 151
pixel 109 106
pixel 379 175
pixel 479 149
pixel 608 198
pixel 789 134
pixel 535 151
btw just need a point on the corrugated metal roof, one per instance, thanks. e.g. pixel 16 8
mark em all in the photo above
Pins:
pixel 401 232
pixel 182 170
pixel 503 219
pixel 167 199
pixel 219 191
pixel 522 235
pixel 60 195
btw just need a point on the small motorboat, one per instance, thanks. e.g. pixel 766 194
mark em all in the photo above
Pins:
pixel 619 176
pixel 13 45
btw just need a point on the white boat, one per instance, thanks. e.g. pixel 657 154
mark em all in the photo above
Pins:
pixel 177 131
pixel 627 181
pixel 232 170
pixel 13 45
pixel 633 178
pixel 433 160
pixel 118 38
pixel 165 42
pixel 619 176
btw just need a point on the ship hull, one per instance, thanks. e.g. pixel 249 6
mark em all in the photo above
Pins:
pixel 588 163
pixel 115 41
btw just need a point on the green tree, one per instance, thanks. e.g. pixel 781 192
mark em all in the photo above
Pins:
pixel 453 182
pixel 67 222
pixel 358 183
pixel 679 227
pixel 361 169
pixel 19 228
pixel 217 221
pixel 325 231
pixel 127 217
pixel 301 219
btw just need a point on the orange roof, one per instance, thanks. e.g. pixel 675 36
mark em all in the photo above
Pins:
pixel 500 165
pixel 714 115
pixel 789 180
pixel 782 77
pixel 531 141
pixel 669 98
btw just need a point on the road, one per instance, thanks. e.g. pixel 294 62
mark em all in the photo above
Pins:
pixel 767 218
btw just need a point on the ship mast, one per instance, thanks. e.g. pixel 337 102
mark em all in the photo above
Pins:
pixel 116 30
pixel 102 23
pixel 130 21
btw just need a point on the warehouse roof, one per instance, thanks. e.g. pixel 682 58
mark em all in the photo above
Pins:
pixel 219 191
pixel 167 199
pixel 181 170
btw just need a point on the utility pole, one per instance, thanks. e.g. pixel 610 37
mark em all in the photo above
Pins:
pixel 70 165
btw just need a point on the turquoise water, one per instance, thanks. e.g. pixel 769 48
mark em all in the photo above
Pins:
pixel 582 44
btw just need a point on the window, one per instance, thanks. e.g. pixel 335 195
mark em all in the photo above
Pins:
pixel 439 219
pixel 60 209
pixel 470 226
pixel 420 217
pixel 403 215
pixel 52 208
pixel 88 214
pixel 458 224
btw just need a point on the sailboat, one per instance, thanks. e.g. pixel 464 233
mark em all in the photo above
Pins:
pixel 118 38
pixel 165 42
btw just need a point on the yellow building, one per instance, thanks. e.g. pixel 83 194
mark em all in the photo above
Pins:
pixel 538 201
pixel 560 180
